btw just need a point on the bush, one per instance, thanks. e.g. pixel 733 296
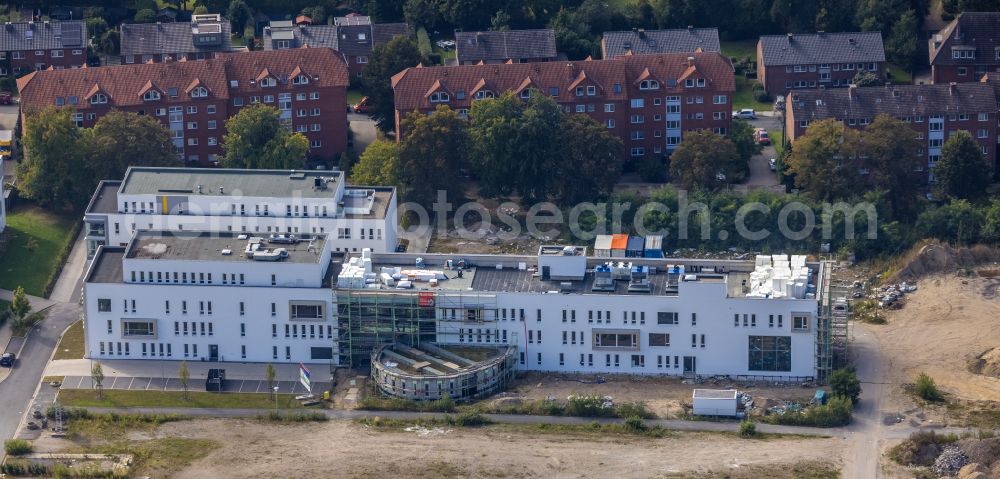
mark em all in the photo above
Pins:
pixel 634 424
pixel 748 429
pixel 397 404
pixel 926 389
pixel 434 59
pixel 296 417
pixel 633 409
pixel 468 419
pixel 761 96
pixel 836 412
pixel 17 447
pixel 589 406
pixel 844 382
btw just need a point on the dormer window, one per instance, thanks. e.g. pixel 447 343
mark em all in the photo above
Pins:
pixel 151 95
pixel 199 92
pixel 484 94
pixel 649 85
pixel 268 82
pixel 98 99
pixel 440 97
pixel 300 80
pixel 963 53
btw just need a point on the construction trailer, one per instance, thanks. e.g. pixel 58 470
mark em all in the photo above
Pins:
pixel 602 246
pixel 635 247
pixel 653 247
pixel 715 402
pixel 619 244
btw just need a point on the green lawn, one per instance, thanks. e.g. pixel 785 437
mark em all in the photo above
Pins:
pixel 897 75
pixel 119 398
pixel 743 98
pixel 71 345
pixel 740 49
pixel 35 238
pixel 776 138
pixel 445 54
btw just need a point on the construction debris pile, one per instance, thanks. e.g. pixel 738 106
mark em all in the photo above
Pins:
pixel 950 461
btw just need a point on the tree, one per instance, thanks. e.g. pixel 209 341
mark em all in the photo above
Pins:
pixel 255 138
pixel 96 26
pixel 741 134
pixel 269 376
pixel 903 44
pixel 379 165
pixel 542 116
pixel 239 15
pixel 704 159
pixel 317 13
pixel 110 42
pixel 184 376
pixel 589 160
pixel 500 22
pixel 495 125
pixel 962 171
pixel 387 60
pixel 890 149
pixel 433 150
pixel 122 139
pixel 866 78
pixel 824 161
pixel 53 159
pixel 97 377
pixel 844 382
pixel 19 306
pixel 145 16
pixel 958 221
pixel 200 10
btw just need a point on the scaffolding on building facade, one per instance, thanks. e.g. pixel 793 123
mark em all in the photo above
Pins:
pixel 831 324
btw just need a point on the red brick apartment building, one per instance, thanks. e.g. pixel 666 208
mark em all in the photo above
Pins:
pixel 203 37
pixel 798 61
pixel 31 46
pixel 935 112
pixel 194 98
pixel 646 100
pixel 966 49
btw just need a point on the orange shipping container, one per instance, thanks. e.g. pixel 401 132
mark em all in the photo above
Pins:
pixel 619 242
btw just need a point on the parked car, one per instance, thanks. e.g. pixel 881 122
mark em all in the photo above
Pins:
pixel 6 98
pixel 7 360
pixel 362 106
pixel 773 164
pixel 402 245
pixel 760 136
pixel 745 114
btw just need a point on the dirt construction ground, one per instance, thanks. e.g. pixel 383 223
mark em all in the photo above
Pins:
pixel 346 449
pixel 946 325
pixel 663 396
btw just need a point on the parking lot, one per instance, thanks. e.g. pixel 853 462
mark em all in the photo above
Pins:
pixel 174 384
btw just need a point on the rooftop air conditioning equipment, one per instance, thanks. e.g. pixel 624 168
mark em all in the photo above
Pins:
pixel 227 252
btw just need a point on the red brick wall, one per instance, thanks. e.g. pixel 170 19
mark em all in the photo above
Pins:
pixel 30 60
pixel 774 78
pixel 949 73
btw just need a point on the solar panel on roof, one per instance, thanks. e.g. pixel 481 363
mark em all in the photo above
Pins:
pixel 72 35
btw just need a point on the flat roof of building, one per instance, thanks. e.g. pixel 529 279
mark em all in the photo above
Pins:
pixel 105 199
pixel 234 182
pixel 380 205
pixel 107 266
pixel 209 246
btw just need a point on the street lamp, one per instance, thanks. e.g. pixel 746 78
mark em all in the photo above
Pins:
pixel 276 399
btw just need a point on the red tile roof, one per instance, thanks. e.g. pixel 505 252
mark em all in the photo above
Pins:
pixel 124 85
pixel 414 85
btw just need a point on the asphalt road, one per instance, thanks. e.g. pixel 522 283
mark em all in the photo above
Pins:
pixel 16 391
pixel 760 171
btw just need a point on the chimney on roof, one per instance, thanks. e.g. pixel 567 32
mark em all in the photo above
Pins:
pixel 690 61
pixel 690 27
pixel 221 190
pixel 641 32
pixel 790 35
pixel 953 88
